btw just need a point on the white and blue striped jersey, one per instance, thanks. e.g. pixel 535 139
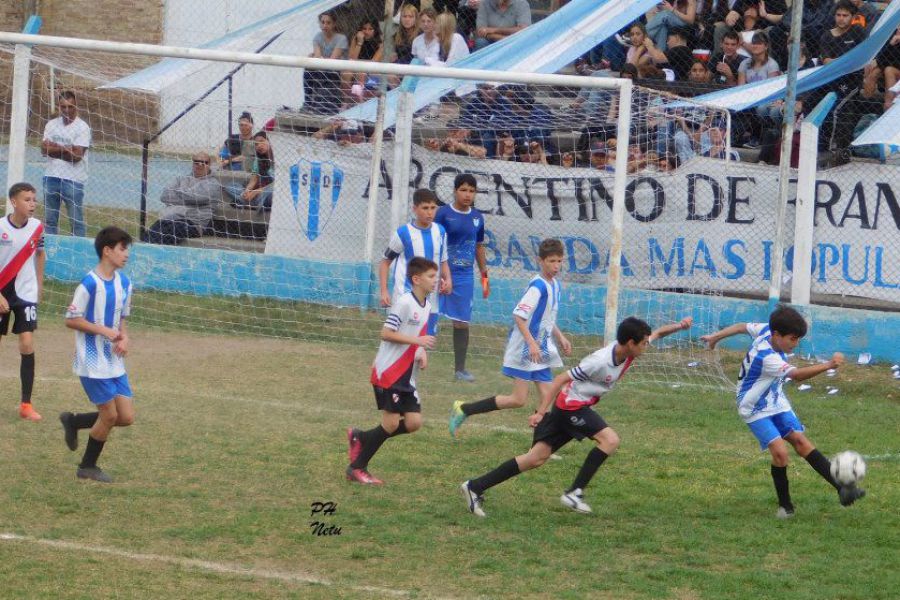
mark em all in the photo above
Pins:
pixel 410 241
pixel 104 303
pixel 538 307
pixel 759 389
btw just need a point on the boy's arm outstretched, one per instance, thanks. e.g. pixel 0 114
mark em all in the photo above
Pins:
pixel 711 339
pixel 549 393
pixel 804 373
pixel 671 328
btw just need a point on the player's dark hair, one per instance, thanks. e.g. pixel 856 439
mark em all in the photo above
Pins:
pixel 422 195
pixel 732 35
pixel 67 95
pixel 463 179
pixel 846 5
pixel 418 265
pixel 18 188
pixel 787 321
pixel 632 329
pixel 110 237
pixel 551 247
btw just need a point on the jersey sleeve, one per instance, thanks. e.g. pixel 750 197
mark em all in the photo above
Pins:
pixel 775 366
pixel 397 315
pixel 444 257
pixel 79 303
pixel 528 302
pixel 126 307
pixel 587 368
pixel 479 231
pixel 83 138
pixel 394 247
pixel 754 329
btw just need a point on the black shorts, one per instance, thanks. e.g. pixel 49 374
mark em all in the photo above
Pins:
pixel 397 401
pixel 559 427
pixel 25 312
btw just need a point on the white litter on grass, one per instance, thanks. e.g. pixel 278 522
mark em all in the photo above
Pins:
pixel 693 363
pixel 830 372
pixel 803 387
pixel 832 391
pixel 675 386
pixel 895 367
pixel 864 358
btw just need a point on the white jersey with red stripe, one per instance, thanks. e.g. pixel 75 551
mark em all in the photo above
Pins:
pixel 18 246
pixel 395 366
pixel 594 376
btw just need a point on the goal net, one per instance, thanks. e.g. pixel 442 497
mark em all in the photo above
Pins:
pixel 290 243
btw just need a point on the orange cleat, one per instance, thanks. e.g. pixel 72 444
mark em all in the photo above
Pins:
pixel 26 411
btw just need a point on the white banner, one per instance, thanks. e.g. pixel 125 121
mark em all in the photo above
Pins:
pixel 707 225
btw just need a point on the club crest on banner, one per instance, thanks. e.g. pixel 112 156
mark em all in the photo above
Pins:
pixel 315 190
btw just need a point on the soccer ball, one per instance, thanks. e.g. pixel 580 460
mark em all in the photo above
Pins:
pixel 848 467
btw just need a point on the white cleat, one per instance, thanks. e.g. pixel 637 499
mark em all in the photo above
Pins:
pixel 575 501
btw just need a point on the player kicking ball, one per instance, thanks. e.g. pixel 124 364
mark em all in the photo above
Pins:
pixel 765 408
pixel 404 339
pixel 572 394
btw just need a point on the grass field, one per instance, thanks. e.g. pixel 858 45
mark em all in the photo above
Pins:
pixel 236 437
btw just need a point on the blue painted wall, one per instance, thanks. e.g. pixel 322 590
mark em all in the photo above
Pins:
pixel 218 272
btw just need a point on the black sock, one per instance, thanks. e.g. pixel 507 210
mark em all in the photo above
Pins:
pixel 460 347
pixel 779 477
pixel 482 406
pixel 26 374
pixel 91 453
pixel 822 466
pixel 401 429
pixel 593 461
pixel 505 471
pixel 84 420
pixel 371 442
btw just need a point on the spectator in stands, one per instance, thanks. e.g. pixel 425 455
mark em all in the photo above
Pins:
pixel 499 19
pixel 886 66
pixel 366 45
pixel 452 46
pixel 239 146
pixel 426 47
pixel 666 16
pixel 728 59
pixel 528 119
pixel 700 72
pixel 844 36
pixel 66 141
pixel 486 111
pixel 866 15
pixel 602 157
pixel 533 151
pixel 407 31
pixel 322 89
pixel 704 137
pixel 460 140
pixel 505 147
pixel 679 57
pixel 818 17
pixel 258 193
pixel 188 205
pixel 760 66
pixel 637 54
pixel 750 15
pixel 342 131
pixel 465 12
pixel 666 163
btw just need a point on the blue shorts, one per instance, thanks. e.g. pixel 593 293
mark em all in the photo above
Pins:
pixel 458 304
pixel 769 429
pixel 433 319
pixel 101 391
pixel 542 375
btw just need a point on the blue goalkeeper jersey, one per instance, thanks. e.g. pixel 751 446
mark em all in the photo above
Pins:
pixel 464 231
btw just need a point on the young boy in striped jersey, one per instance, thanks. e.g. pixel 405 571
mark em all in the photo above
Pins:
pixel 572 394
pixel 98 311
pixel 530 351
pixel 420 237
pixel 404 339
pixel 765 408
pixel 22 262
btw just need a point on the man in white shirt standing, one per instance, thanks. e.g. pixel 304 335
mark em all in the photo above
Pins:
pixel 65 144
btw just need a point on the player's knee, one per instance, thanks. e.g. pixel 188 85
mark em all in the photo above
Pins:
pixel 26 346
pixel 125 420
pixel 780 457
pixel 516 402
pixel 413 424
pixel 109 418
pixel 609 440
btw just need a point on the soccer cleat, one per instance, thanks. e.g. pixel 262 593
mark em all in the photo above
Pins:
pixel 71 433
pixel 94 473
pixel 784 513
pixel 354 443
pixel 850 494
pixel 575 501
pixel 465 376
pixel 457 416
pixel 473 500
pixel 27 412
pixel 362 476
